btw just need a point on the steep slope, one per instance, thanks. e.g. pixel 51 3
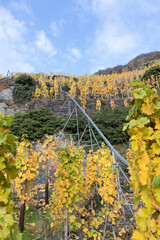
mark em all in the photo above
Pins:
pixel 138 62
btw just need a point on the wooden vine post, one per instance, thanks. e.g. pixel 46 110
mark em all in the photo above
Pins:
pixel 48 159
pixel 46 184
pixel 26 162
pixel 144 164
pixel 23 205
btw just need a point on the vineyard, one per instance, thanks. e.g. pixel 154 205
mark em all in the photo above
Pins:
pixel 114 87
pixel 67 186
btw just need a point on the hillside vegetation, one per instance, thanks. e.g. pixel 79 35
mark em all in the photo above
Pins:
pixel 139 62
pixel 99 95
pixel 51 191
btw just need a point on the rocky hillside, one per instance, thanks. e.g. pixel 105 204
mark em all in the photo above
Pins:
pixel 9 107
pixel 138 62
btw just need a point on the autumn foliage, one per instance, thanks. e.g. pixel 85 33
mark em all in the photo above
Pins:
pixel 144 164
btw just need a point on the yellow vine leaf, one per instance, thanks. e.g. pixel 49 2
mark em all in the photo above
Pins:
pixel 143 176
pixel 142 224
pixel 152 237
pixel 153 225
pixel 144 160
pixel 135 145
pixel 144 163
pixel 156 136
pixel 156 193
pixel 158 221
pixel 146 198
pixel 138 236
pixel 147 107
pixel 147 133
pixel 157 121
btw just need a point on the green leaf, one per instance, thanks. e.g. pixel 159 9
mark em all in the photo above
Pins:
pixel 125 126
pixel 4 197
pixel 78 225
pixel 2 121
pixel 137 83
pixel 8 218
pixel 157 195
pixel 141 122
pixel 2 164
pixel 136 200
pixel 16 235
pixel 72 218
pixel 2 159
pixel 157 105
pixel 156 181
pixel 9 120
pixel 2 138
pixel 4 233
pixel 71 227
pixel 139 94
pixel 3 210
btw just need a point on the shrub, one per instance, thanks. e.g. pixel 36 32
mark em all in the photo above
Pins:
pixel 153 71
pixel 109 121
pixel 24 88
pixel 36 123
pixel 72 125
pixel 24 79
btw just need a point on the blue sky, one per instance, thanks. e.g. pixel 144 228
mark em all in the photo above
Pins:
pixel 75 36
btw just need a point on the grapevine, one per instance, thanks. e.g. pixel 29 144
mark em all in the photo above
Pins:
pixel 48 158
pixel 68 189
pixel 8 172
pixel 26 162
pixel 144 167
pixel 101 180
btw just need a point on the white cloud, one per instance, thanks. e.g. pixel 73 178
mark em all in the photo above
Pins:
pixel 115 31
pixel 148 7
pixel 14 55
pixel 73 54
pixel 102 6
pixel 98 7
pixel 44 44
pixel 57 27
pixel 115 38
pixel 85 4
pixel 20 6
pixel 113 35
pixel 22 50
pixel 10 28
pixel 109 7
pixel 110 41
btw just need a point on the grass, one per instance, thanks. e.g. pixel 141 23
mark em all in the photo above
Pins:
pixel 35 227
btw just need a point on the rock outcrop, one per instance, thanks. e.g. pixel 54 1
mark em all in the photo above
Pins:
pixel 7 106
